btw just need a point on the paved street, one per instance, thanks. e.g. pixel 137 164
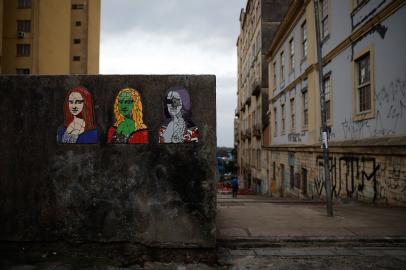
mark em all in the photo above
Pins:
pixel 261 218
pixel 263 233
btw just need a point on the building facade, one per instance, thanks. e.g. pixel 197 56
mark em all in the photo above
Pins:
pixel 50 37
pixel 258 23
pixel 364 77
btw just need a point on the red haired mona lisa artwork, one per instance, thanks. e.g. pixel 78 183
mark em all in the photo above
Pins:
pixel 78 126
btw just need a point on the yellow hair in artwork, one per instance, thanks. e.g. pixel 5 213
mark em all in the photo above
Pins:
pixel 136 110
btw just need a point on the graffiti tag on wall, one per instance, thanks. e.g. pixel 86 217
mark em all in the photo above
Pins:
pixel 359 177
pixel 390 114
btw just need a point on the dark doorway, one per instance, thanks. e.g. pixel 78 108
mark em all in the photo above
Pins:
pixel 282 179
pixel 292 177
pixel 304 183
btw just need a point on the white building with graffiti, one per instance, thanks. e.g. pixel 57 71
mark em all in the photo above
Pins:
pixel 364 71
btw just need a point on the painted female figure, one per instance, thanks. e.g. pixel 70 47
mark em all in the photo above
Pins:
pixel 79 126
pixel 129 126
pixel 178 126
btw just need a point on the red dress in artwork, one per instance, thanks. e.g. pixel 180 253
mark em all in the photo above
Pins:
pixel 137 137
pixel 190 135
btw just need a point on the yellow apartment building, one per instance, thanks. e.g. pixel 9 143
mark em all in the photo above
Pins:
pixel 49 37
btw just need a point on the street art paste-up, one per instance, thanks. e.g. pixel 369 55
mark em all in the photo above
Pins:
pixel 78 124
pixel 178 126
pixel 129 127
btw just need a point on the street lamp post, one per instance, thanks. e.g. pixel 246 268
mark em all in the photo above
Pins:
pixel 323 114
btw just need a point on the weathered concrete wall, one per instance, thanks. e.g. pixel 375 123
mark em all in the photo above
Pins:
pixel 159 195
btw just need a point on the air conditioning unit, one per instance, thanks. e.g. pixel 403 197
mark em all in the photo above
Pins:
pixel 20 34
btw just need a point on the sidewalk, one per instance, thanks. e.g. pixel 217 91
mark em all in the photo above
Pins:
pixel 258 218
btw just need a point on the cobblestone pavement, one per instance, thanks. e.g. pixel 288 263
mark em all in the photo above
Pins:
pixel 358 258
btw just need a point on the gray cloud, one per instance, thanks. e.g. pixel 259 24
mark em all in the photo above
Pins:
pixel 206 31
pixel 206 17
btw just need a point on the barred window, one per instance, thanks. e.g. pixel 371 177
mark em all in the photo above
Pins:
pixel 23 50
pixel 78 6
pixel 22 71
pixel 24 26
pixel 24 3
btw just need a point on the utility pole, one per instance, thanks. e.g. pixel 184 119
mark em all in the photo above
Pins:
pixel 323 114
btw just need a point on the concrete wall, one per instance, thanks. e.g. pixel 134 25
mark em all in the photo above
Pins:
pixel 160 195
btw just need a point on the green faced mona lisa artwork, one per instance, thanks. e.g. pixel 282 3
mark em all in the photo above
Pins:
pixel 129 127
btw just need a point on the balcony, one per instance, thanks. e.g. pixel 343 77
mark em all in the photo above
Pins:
pixel 255 88
pixel 248 101
pixel 248 133
pixel 237 112
pixel 257 130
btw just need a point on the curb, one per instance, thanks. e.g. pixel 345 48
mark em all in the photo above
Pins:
pixel 399 241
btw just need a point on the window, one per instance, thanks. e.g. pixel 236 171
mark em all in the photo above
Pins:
pixel 304 40
pixel 324 19
pixel 76 41
pixel 305 108
pixel 24 3
pixel 78 6
pixel 282 69
pixel 22 71
pixel 78 23
pixel 258 46
pixel 327 94
pixel 292 113
pixel 274 75
pixel 24 26
pixel 259 159
pixel 291 55
pixel 358 3
pixel 273 171
pixel 76 58
pixel 275 130
pixel 363 83
pixel 23 50
pixel 283 118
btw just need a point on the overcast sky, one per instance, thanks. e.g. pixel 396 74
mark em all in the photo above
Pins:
pixel 176 37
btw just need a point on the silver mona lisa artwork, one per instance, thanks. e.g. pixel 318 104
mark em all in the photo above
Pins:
pixel 178 126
